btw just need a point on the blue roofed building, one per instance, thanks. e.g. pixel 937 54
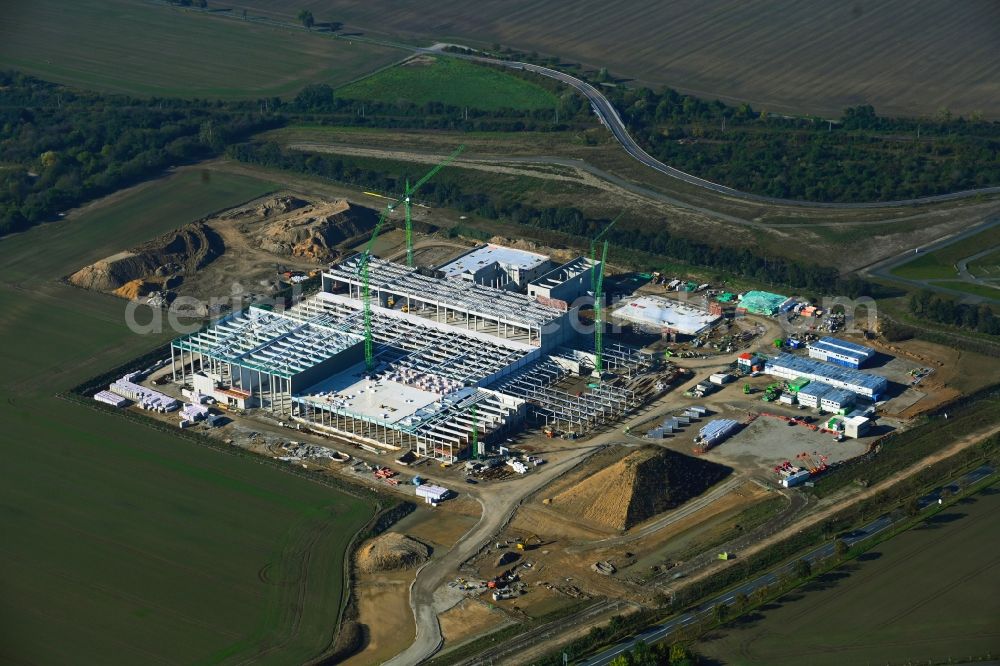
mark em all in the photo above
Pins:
pixel 864 384
pixel 841 352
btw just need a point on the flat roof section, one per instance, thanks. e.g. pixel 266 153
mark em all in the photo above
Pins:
pixel 841 396
pixel 815 389
pixel 845 346
pixel 388 402
pixel 665 313
pixel 481 257
pixel 809 366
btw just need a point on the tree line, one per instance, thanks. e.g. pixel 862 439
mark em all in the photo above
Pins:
pixel 60 148
pixel 862 157
pixel 859 157
pixel 655 239
pixel 925 304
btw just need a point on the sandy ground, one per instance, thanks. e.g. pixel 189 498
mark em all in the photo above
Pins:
pixel 436 527
pixel 384 610
pixel 469 619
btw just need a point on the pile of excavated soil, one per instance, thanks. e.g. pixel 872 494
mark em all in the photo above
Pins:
pixel 639 486
pixel 292 227
pixel 271 207
pixel 391 551
pixel 183 250
pixel 557 254
pixel 135 289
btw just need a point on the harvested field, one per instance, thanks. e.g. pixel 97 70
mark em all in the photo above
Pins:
pixel 788 57
pixel 639 486
pixel 391 551
pixel 926 595
pixel 151 49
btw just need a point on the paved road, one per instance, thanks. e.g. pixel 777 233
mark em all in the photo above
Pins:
pixel 609 116
pixel 607 113
pixel 880 524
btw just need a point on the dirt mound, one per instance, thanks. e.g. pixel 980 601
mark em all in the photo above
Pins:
pixel 134 289
pixel 639 486
pixel 270 207
pixel 391 551
pixel 312 231
pixel 182 250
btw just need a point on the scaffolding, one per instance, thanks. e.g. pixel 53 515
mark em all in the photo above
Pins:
pixel 458 302
pixel 576 413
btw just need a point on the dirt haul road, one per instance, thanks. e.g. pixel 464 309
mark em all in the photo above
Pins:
pixel 502 501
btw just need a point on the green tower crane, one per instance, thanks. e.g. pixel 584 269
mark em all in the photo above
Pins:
pixel 366 255
pixel 593 247
pixel 599 316
pixel 366 292
pixel 408 196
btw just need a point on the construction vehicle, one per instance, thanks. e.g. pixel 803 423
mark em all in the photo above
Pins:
pixel 529 542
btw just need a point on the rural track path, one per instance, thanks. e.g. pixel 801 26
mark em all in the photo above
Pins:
pixel 612 120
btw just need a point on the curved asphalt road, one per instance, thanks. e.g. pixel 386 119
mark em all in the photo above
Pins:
pixel 609 116
pixel 880 524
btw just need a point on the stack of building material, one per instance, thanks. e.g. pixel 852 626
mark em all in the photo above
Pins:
pixel 716 432
pixel 144 397
pixel 109 398
pixel 193 412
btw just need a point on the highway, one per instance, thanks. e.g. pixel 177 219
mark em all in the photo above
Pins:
pixel 882 523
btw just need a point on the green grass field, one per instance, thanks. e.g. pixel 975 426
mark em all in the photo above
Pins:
pixel 983 290
pixel 151 49
pixel 124 544
pixel 987 267
pixel 450 81
pixel 939 264
pixel 926 267
pixel 925 595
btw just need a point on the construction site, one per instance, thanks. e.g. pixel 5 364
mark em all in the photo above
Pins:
pixel 438 360
pixel 629 445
